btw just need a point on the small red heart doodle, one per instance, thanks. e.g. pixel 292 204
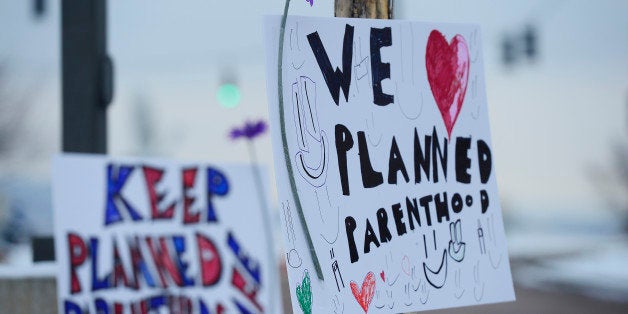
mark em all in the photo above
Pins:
pixel 448 73
pixel 383 276
pixel 364 296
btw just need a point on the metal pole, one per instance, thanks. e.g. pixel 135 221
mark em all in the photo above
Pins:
pixel 261 195
pixel 86 76
pixel 87 87
pixel 370 9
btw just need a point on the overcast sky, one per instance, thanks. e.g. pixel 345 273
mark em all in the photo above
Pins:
pixel 551 120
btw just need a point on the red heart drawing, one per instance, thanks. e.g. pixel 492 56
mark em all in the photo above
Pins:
pixel 448 73
pixel 383 276
pixel 364 296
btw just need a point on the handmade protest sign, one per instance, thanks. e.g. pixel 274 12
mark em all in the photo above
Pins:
pixel 157 236
pixel 385 128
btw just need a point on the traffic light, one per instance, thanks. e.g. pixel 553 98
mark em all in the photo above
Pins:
pixel 522 45
pixel 39 8
pixel 531 42
pixel 228 95
pixel 508 51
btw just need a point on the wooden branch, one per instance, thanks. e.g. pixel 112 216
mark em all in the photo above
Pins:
pixel 370 9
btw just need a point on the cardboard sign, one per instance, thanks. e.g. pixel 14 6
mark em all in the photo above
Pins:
pixel 386 130
pixel 149 236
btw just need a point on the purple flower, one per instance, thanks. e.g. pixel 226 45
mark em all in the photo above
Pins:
pixel 249 130
pixel 310 1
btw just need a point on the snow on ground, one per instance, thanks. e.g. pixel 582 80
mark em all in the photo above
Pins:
pixel 577 251
pixel 19 265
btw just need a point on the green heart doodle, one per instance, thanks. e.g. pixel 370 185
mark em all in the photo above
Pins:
pixel 304 294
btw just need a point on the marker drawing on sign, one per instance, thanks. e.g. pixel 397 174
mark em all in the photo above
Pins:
pixel 474 46
pixel 318 204
pixel 389 294
pixel 406 266
pixel 339 307
pixel 437 277
pixel 456 246
pixel 406 290
pixel 391 283
pixel 386 301
pixel 414 279
pixel 284 141
pixel 481 238
pixel 361 64
pixel 287 214
pixel 312 167
pixel 424 294
pixel 425 246
pixel 368 128
pixel 295 46
pixel 420 286
pixel 327 222
pixel 419 104
pixel 498 260
pixel 379 304
pixel 336 270
pixel 474 88
pixel 391 270
pixel 459 289
pixel 304 293
pixel 409 94
pixel 361 69
pixel 294 38
pixel 447 72
pixel 364 294
pixel 478 289
pixel 495 262
pixel 292 257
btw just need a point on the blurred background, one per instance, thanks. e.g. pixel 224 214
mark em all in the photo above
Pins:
pixel 187 72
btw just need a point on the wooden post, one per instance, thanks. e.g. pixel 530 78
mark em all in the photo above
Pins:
pixel 369 9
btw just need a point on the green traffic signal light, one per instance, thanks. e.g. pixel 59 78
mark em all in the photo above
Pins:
pixel 228 95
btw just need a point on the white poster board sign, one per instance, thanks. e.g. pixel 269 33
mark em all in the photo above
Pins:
pixel 386 132
pixel 157 236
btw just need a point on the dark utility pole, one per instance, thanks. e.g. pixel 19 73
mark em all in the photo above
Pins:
pixel 87 86
pixel 87 75
pixel 370 9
